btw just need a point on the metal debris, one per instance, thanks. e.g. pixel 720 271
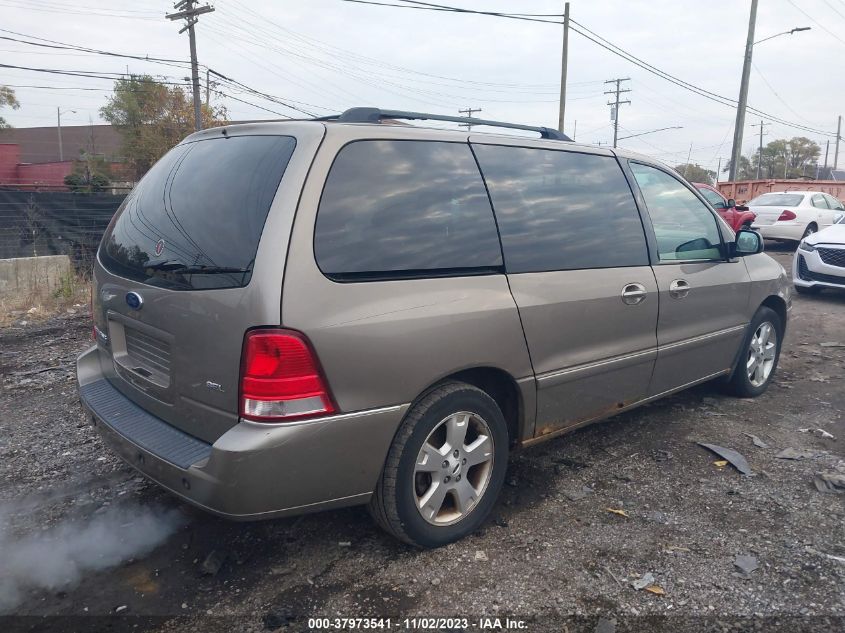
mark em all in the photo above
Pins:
pixel 798 453
pixel 736 460
pixel 757 441
pixel 830 482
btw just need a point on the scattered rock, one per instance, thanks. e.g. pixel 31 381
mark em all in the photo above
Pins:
pixel 746 564
pixel 121 609
pixel 212 563
pixel 605 626
pixel 641 583
pixel 481 555
pixel 577 495
pixel 344 543
pixel 435 582
pixel 832 344
pixel 277 617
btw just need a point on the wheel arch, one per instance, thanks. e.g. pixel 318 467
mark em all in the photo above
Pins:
pixel 499 385
pixel 776 303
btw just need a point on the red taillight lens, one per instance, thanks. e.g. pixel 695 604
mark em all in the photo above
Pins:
pixel 787 215
pixel 281 378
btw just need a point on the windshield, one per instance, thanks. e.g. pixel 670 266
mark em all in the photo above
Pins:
pixel 777 200
pixel 713 198
pixel 195 220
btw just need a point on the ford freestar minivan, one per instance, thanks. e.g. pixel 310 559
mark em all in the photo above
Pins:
pixel 295 316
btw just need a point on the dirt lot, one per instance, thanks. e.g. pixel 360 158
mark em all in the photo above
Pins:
pixel 552 556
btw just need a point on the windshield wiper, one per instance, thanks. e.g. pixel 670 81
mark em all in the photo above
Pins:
pixel 183 269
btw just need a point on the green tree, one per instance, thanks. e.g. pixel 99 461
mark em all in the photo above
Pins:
pixel 153 117
pixel 784 158
pixel 744 170
pixel 696 173
pixel 90 174
pixel 7 98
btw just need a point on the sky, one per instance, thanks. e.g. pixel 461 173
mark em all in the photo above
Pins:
pixel 323 56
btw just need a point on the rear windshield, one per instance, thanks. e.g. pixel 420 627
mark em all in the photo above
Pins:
pixel 777 200
pixel 194 221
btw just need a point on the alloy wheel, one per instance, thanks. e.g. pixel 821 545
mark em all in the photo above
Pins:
pixel 453 468
pixel 761 354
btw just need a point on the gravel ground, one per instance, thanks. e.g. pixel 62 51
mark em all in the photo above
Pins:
pixel 580 520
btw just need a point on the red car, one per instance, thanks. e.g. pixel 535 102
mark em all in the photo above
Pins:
pixel 737 217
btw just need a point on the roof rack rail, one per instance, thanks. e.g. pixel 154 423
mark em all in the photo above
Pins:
pixel 375 115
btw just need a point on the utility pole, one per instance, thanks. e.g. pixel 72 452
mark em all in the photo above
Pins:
pixel 736 151
pixel 718 169
pixel 187 10
pixel 59 127
pixel 838 136
pixel 761 125
pixel 563 64
pixel 207 87
pixel 468 112
pixel 614 106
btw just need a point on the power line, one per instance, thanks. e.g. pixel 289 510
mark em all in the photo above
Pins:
pixel 616 50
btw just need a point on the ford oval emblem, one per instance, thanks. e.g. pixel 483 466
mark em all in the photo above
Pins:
pixel 134 300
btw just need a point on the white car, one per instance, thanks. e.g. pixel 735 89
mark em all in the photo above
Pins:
pixel 819 261
pixel 793 215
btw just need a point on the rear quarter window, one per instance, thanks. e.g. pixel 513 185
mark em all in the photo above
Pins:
pixel 405 209
pixel 561 210
pixel 195 220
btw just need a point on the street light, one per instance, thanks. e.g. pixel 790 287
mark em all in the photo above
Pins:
pixel 736 151
pixel 795 30
pixel 59 114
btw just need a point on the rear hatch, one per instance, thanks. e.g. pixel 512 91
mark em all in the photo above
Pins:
pixel 769 206
pixel 179 276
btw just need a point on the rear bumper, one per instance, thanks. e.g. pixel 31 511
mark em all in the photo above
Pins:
pixel 253 471
pixel 781 230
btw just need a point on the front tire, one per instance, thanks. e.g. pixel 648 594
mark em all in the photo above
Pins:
pixel 759 357
pixel 444 469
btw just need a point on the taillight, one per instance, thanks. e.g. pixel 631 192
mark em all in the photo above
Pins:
pixel 281 378
pixel 787 215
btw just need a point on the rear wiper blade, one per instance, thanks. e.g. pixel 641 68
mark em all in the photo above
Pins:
pixel 183 269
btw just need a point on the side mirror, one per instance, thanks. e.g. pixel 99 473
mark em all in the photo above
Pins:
pixel 731 203
pixel 747 243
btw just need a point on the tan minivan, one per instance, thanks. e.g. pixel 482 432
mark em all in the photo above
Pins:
pixel 296 316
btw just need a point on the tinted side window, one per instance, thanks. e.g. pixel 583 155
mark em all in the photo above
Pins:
pixel 405 207
pixel 562 210
pixel 685 228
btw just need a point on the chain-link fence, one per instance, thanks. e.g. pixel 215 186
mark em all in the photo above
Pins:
pixel 54 223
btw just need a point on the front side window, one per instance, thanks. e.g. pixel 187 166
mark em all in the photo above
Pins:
pixel 684 227
pixel 407 209
pixel 819 201
pixel 834 203
pixel 562 210
pixel 713 198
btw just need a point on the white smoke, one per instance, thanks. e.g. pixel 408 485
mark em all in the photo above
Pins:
pixel 58 557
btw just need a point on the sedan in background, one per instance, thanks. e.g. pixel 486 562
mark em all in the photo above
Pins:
pixel 793 215
pixel 737 217
pixel 820 259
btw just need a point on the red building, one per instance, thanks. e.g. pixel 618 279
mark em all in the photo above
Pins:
pixel 30 158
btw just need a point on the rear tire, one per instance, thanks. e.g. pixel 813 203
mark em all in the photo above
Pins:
pixel 430 492
pixel 811 228
pixel 759 355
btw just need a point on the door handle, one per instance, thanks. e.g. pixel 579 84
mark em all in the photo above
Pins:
pixel 679 288
pixel 632 294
